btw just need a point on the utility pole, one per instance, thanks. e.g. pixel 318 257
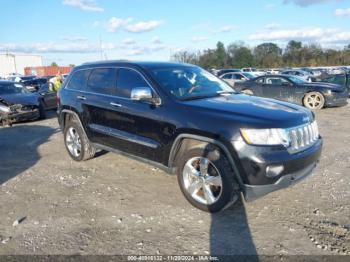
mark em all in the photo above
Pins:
pixel 101 51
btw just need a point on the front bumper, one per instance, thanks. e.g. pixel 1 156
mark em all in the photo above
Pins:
pixel 24 116
pixel 254 192
pixel 255 161
pixel 337 99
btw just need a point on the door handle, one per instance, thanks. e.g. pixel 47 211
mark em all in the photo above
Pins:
pixel 81 97
pixel 115 104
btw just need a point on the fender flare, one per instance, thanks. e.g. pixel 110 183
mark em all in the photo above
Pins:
pixel 219 144
pixel 71 112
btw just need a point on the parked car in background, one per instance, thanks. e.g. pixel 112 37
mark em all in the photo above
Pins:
pixel 26 105
pixel 33 85
pixel 299 73
pixel 340 79
pixel 185 120
pixel 20 78
pixel 253 71
pixel 296 90
pixel 233 78
pixel 225 71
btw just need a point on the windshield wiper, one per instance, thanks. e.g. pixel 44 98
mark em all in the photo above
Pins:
pixel 197 97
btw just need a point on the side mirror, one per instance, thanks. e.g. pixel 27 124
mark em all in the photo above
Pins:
pixel 144 94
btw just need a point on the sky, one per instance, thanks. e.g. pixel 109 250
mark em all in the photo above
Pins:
pixel 78 31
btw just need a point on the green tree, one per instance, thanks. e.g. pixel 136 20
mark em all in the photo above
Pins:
pixel 240 56
pixel 54 64
pixel 221 57
pixel 268 55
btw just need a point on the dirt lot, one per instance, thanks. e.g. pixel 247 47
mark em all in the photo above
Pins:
pixel 114 205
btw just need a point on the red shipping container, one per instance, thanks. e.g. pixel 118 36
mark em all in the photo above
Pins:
pixel 47 70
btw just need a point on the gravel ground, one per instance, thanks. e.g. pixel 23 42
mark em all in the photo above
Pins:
pixel 114 205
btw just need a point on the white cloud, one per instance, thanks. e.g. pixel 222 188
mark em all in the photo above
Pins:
pixel 115 23
pixel 225 29
pixel 342 12
pixel 74 38
pixel 128 47
pixel 146 26
pixel 144 50
pixel 129 41
pixel 156 40
pixel 310 34
pixel 304 3
pixel 272 26
pixel 96 24
pixel 198 39
pixel 85 5
pixel 53 47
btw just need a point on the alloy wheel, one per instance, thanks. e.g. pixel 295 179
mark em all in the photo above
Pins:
pixel 202 180
pixel 73 142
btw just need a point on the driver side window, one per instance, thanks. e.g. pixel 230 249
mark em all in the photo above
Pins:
pixel 260 80
pixel 275 81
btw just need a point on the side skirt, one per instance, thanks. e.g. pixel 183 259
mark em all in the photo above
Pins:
pixel 168 170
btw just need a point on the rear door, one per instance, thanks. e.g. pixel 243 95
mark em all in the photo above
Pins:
pixel 96 103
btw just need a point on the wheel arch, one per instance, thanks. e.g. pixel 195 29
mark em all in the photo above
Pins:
pixel 188 141
pixel 68 112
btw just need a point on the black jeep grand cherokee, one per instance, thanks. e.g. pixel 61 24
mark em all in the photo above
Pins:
pixel 186 121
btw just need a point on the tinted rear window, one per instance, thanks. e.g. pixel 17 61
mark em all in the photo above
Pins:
pixel 79 80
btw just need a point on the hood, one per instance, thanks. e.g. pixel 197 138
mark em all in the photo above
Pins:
pixel 23 99
pixel 330 86
pixel 254 111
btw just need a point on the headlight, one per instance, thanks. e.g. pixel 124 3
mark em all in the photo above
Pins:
pixel 5 109
pixel 267 137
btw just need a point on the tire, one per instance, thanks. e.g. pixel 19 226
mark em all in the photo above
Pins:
pixel 218 167
pixel 248 92
pixel 79 147
pixel 314 101
pixel 42 112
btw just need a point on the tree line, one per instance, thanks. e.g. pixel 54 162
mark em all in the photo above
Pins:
pixel 265 55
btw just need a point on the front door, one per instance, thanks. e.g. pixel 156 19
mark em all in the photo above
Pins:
pixel 130 126
pixel 275 87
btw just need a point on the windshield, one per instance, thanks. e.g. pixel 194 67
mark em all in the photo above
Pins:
pixel 186 83
pixel 12 88
pixel 297 80
pixel 248 75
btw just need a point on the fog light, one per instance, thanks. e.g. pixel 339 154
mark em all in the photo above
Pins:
pixel 273 171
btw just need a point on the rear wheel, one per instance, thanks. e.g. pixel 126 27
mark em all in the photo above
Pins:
pixel 206 179
pixel 314 100
pixel 76 141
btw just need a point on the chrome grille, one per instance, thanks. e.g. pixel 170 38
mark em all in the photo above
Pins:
pixel 303 136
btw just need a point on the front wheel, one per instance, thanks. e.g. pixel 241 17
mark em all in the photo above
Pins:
pixel 314 100
pixel 206 179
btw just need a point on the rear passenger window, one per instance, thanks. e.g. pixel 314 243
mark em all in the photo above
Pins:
pixel 127 80
pixel 102 81
pixel 79 80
